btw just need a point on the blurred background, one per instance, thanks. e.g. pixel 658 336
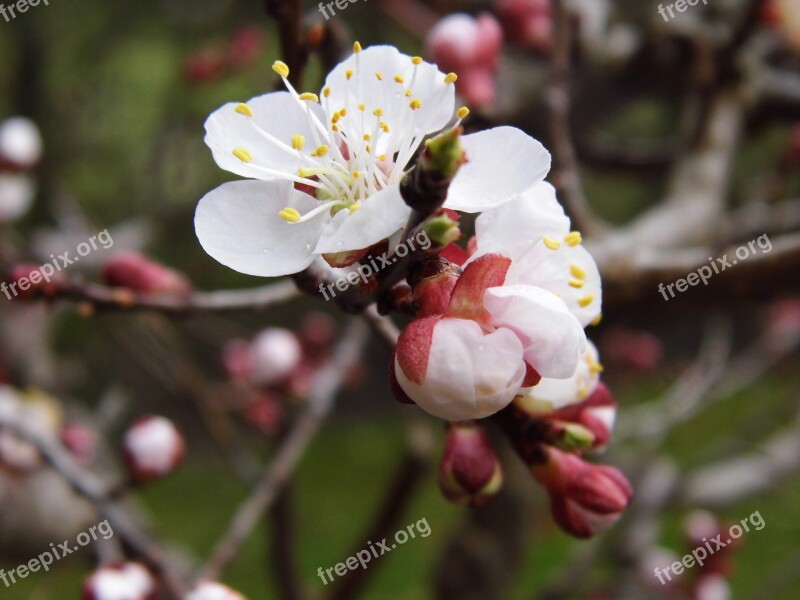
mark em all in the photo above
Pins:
pixel 675 140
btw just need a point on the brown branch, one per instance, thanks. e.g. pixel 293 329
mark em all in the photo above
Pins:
pixel 320 402
pixel 289 14
pixel 282 547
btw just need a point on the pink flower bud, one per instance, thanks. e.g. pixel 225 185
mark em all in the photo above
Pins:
pixel 434 282
pixel 585 499
pixel 265 412
pixel 20 144
pixel 28 281
pixel 236 359
pixel 470 472
pixel 527 22
pixel 152 448
pixel 204 66
pixel 138 273
pixel 81 440
pixel 245 46
pixel 211 590
pixel 274 354
pixel 596 414
pixel 129 581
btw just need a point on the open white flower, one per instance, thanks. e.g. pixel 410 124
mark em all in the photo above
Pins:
pixel 330 165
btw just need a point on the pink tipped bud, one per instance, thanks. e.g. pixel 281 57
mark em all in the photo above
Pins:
pixel 470 472
pixel 585 499
pixel 274 354
pixel 210 590
pixel 245 47
pixel 138 273
pixel 32 281
pixel 20 144
pixel 129 581
pixel 81 440
pixel 152 448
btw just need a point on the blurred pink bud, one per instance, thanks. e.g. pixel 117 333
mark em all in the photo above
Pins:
pixel 129 581
pixel 477 87
pixel 211 590
pixel 783 323
pixel 713 587
pixel 28 281
pixel 81 440
pixel 470 472
pixel 152 448
pixel 245 46
pixel 137 272
pixel 274 354
pixel 317 330
pixel 18 456
pixel 585 499
pixel 632 348
pixel 20 144
pixel 527 22
pixel 204 66
pixel 265 412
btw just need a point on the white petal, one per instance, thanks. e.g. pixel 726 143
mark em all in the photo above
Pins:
pixel 470 374
pixel 238 225
pixel 380 216
pixel 553 339
pixel 16 195
pixel 511 228
pixel 563 392
pixel 278 114
pixel 438 98
pixel 560 271
pixel 502 163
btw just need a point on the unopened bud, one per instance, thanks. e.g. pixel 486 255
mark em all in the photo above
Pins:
pixel 211 590
pixel 138 273
pixel 204 66
pixel 274 354
pixel 245 47
pixel 470 472
pixel 129 581
pixel 442 228
pixel 433 281
pixel 265 412
pixel 20 144
pixel 17 191
pixel 29 281
pixel 81 440
pixel 152 448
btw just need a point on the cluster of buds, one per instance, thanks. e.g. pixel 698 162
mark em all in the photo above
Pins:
pixel 471 47
pixel 152 448
pixel 527 22
pixel 237 53
pixel 20 151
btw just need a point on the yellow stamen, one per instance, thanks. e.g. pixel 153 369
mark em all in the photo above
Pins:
pixel 290 215
pixel 379 75
pixel 450 78
pixel 382 157
pixel 417 60
pixel 298 141
pixel 368 149
pixel 326 91
pixel 409 93
pixel 385 127
pixel 321 151
pixel 353 208
pixel 576 283
pixel 348 74
pixel 362 107
pixel 462 112
pixel 245 110
pixel 551 243
pixel 399 79
pixel 309 96
pixel 597 319
pixel 334 128
pixel 335 118
pixel 378 112
pixel 367 137
pixel 577 272
pixel 573 238
pixel 343 112
pixel 585 301
pixel 311 171
pixel 243 155
pixel 356 174
pixel 281 68
pixel 595 367
pixel 416 104
pixel 356 47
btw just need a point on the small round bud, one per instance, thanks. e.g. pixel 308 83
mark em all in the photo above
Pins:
pixel 152 448
pixel 245 46
pixel 470 472
pixel 20 143
pixel 210 590
pixel 17 191
pixel 274 354
pixel 30 281
pixel 136 272
pixel 129 581
pixel 204 66
pixel 265 412
pixel 81 440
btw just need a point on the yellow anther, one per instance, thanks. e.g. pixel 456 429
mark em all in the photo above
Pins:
pixel 399 79
pixel 326 91
pixel 417 60
pixel 582 391
pixel 416 104
pixel 362 107
pixel 335 118
pixel 385 127
pixel 281 68
pixel 243 155
pixel 585 301
pixel 356 47
pixel 368 149
pixel 353 208
pixel 367 137
pixel 573 238
pixel 382 157
pixel 595 367
pixel 551 243
pixel 378 112
pixel 309 97
pixel 450 78
pixel 577 272
pixel 334 128
pixel 321 151
pixel 311 171
pixel 290 215
pixel 298 141
pixel 243 109
pixel 576 283
pixel 379 75
pixel 356 174
pixel 597 319
pixel 343 112
pixel 462 113
pixel 348 74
